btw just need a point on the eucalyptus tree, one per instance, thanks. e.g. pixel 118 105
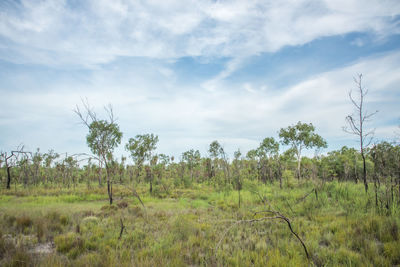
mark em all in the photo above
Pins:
pixel 267 152
pixel 216 152
pixel 253 163
pixel 161 171
pixel 356 122
pixel 163 160
pixel 103 137
pixel 192 159
pixel 141 149
pixel 71 169
pixel 301 136
pixel 37 159
pixel 49 159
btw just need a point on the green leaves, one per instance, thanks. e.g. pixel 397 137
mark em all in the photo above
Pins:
pixel 141 147
pixel 191 157
pixel 301 135
pixel 268 147
pixel 215 149
pixel 103 137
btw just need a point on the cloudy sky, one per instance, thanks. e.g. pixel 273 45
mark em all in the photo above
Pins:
pixel 195 71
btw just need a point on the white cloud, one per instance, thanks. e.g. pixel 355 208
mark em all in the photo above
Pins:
pixel 188 118
pixel 148 97
pixel 95 32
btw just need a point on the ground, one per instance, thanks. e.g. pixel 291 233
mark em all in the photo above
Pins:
pixel 198 226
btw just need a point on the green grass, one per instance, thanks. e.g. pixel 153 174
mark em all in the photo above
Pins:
pixel 196 226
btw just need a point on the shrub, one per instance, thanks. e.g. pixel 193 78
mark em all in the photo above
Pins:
pixel 392 251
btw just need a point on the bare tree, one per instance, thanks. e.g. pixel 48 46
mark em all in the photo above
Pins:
pixel 356 121
pixel 10 160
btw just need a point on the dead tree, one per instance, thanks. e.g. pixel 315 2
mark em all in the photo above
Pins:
pixel 357 120
pixel 10 160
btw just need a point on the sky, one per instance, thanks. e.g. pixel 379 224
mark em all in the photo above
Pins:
pixel 195 71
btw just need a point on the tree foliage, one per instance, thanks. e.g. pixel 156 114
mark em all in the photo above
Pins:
pixel 301 136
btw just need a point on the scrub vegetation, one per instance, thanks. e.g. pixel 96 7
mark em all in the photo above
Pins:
pixel 198 224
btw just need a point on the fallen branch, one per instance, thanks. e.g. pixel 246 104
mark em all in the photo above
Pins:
pixel 277 216
pixel 136 195
pixel 122 229
pixel 282 217
pixel 303 198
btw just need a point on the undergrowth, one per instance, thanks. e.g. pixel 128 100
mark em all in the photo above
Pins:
pixel 197 226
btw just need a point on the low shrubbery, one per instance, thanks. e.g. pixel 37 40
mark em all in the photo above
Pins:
pixel 338 223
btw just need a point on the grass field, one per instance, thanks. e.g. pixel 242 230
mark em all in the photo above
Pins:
pixel 198 226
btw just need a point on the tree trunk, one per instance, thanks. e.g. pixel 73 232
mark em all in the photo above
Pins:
pixel 239 196
pixel 280 174
pixel 376 190
pixel 109 191
pixel 100 171
pixel 109 184
pixel 8 177
pixel 151 186
pixel 298 167
pixel 364 172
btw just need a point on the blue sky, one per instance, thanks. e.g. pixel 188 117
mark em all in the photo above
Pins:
pixel 195 71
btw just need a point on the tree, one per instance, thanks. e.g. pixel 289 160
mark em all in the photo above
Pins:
pixel 217 150
pixel 301 136
pixel 386 159
pixel 103 137
pixel 11 159
pixel 192 159
pixel 49 159
pixel 356 121
pixel 141 148
pixel 267 150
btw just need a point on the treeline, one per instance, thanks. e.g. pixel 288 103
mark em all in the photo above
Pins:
pixel 162 173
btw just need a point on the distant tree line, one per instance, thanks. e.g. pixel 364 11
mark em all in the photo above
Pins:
pixel 264 164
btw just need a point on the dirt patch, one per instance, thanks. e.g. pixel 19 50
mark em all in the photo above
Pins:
pixel 43 248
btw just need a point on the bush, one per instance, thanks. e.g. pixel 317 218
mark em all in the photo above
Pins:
pixel 392 252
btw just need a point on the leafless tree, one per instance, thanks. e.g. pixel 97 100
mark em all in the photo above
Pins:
pixel 357 120
pixel 11 159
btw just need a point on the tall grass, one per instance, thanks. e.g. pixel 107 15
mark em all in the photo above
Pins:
pixel 339 224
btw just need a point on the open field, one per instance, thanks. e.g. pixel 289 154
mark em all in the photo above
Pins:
pixel 198 226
